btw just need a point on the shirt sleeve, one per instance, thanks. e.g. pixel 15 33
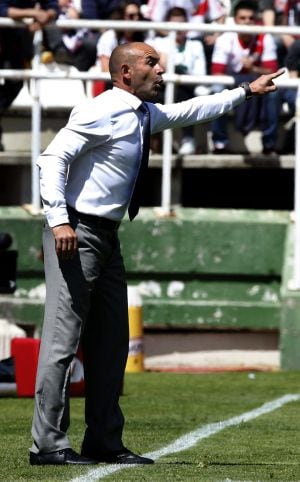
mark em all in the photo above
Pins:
pixel 45 4
pixel 195 110
pixel 80 134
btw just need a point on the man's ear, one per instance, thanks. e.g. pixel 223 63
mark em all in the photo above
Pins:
pixel 126 73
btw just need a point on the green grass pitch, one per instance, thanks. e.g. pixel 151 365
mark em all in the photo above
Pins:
pixel 161 407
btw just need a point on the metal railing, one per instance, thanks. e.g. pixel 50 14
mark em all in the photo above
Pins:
pixel 170 79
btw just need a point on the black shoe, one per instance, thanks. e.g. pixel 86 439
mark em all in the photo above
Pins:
pixel 124 457
pixel 61 457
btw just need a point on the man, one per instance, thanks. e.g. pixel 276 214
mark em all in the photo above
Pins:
pixel 73 46
pixel 90 174
pixel 197 12
pixel 16 43
pixel 245 57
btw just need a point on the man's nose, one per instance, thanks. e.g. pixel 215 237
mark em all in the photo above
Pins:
pixel 159 69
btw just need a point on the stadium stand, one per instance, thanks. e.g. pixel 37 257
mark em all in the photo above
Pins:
pixel 230 271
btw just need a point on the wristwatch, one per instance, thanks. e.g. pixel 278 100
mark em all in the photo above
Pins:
pixel 248 91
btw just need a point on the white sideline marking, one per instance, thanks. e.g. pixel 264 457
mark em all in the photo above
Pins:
pixel 192 438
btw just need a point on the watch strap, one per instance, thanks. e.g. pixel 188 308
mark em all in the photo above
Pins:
pixel 246 87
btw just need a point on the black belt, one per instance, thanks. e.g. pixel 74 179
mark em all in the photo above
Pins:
pixel 97 221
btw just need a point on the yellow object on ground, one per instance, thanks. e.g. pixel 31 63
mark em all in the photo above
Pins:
pixel 135 361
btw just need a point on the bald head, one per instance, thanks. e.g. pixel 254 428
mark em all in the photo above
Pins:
pixel 124 54
pixel 134 67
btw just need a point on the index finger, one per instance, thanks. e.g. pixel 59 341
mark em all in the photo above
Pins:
pixel 279 72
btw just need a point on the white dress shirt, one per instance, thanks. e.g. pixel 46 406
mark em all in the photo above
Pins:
pixel 92 162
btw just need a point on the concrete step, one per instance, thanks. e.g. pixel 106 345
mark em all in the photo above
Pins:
pixel 210 161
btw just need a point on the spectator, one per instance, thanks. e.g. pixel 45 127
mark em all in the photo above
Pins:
pixel 130 10
pixel 292 60
pixel 16 43
pixel 284 12
pixel 198 12
pixel 208 11
pixel 245 57
pixel 72 47
pixel 189 58
pixel 291 18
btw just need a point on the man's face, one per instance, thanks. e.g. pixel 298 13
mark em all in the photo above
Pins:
pixel 245 16
pixel 146 74
pixel 132 12
pixel 180 36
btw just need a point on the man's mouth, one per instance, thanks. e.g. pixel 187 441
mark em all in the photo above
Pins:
pixel 159 83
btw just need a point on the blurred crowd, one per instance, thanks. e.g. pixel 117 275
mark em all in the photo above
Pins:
pixel 242 56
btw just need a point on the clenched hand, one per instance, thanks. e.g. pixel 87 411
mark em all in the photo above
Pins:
pixel 65 241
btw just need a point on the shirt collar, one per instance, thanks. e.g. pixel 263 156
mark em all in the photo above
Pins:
pixel 128 98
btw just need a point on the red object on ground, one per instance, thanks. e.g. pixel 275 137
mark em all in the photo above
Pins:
pixel 26 353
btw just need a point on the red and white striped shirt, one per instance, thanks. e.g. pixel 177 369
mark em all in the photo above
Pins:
pixel 229 50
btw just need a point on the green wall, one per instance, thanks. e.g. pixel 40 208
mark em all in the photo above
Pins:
pixel 204 268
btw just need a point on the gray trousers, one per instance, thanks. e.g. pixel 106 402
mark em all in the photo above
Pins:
pixel 86 301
